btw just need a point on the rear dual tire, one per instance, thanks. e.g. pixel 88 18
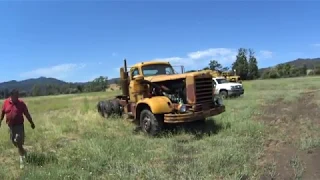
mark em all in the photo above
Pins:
pixel 116 107
pixel 110 107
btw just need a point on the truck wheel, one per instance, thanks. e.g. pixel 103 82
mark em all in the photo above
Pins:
pixel 150 123
pixel 116 107
pixel 223 94
pixel 100 108
pixel 107 108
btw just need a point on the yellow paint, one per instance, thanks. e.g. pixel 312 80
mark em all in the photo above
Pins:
pixel 157 104
pixel 227 75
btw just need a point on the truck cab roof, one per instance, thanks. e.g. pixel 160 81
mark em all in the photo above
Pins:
pixel 151 63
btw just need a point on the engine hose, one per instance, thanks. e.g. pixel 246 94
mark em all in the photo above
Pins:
pixel 156 86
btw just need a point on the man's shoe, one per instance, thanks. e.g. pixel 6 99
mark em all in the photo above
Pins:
pixel 22 159
pixel 21 165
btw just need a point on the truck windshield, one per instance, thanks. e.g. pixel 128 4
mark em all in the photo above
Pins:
pixel 221 81
pixel 157 69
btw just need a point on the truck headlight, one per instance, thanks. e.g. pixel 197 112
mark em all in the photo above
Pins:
pixel 233 87
pixel 183 108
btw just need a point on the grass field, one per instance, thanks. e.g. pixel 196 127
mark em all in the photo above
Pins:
pixel 272 131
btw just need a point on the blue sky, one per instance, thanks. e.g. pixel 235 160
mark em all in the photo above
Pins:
pixel 77 41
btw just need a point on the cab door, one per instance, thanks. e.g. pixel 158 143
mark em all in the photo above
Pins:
pixel 133 86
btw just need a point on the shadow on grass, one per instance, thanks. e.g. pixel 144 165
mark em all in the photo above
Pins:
pixel 198 128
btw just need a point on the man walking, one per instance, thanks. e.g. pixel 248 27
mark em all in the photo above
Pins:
pixel 14 109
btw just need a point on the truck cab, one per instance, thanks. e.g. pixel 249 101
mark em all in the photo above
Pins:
pixel 225 88
pixel 154 94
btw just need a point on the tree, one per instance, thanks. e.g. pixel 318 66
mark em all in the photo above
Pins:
pixel 288 70
pixel 98 84
pixel 36 90
pixel 253 70
pixel 241 64
pixel 304 69
pixel 214 65
pixel 225 69
pixel 80 88
pixel 6 93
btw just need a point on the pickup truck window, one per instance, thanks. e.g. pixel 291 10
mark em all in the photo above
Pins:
pixel 221 81
pixel 157 69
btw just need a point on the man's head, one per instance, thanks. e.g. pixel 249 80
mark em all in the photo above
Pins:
pixel 14 95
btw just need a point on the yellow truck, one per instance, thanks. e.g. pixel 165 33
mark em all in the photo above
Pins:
pixel 231 78
pixel 227 75
pixel 154 94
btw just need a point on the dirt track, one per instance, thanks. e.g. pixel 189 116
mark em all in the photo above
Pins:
pixel 289 122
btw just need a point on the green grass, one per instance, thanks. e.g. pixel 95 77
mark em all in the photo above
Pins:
pixel 71 140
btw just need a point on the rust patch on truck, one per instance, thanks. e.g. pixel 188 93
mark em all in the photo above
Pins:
pixel 190 90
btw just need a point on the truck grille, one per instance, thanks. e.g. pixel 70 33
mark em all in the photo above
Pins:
pixel 203 90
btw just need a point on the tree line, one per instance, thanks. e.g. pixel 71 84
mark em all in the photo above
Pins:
pixel 246 66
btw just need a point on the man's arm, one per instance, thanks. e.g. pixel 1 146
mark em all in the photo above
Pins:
pixel 27 114
pixel 2 112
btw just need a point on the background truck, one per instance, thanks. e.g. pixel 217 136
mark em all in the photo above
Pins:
pixel 227 75
pixel 154 94
pixel 225 88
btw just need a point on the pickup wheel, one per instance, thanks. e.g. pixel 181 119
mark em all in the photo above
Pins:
pixel 150 123
pixel 223 94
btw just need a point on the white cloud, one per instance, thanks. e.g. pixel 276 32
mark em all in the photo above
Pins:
pixel 266 54
pixel 212 52
pixel 172 60
pixel 316 45
pixel 57 71
pixel 114 54
pixel 198 59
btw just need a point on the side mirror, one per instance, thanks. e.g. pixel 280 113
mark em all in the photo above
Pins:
pixel 138 77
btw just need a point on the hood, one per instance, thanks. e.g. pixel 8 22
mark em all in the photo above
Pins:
pixel 167 77
pixel 233 84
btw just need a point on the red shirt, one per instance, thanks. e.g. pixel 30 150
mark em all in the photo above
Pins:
pixel 14 111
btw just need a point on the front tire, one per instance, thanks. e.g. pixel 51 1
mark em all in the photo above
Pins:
pixel 151 123
pixel 223 94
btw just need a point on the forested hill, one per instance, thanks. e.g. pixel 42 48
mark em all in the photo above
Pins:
pixel 28 84
pixel 311 63
pixel 51 86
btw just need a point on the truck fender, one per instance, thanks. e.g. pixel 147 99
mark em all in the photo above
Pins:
pixel 157 105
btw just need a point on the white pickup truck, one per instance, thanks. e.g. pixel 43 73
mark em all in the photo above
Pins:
pixel 227 89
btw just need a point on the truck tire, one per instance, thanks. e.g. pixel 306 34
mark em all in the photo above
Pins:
pixel 107 108
pixel 116 107
pixel 150 123
pixel 223 94
pixel 100 108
